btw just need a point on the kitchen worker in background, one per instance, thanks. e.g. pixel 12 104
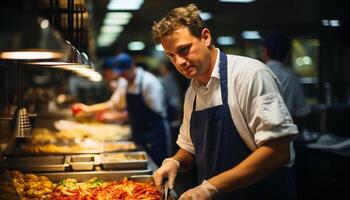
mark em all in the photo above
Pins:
pixel 172 91
pixel 145 107
pixel 236 127
pixel 113 110
pixel 275 54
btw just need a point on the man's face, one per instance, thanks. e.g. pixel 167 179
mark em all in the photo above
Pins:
pixel 128 74
pixel 109 75
pixel 190 55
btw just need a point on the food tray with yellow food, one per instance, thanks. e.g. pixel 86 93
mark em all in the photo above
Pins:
pixel 86 146
pixel 94 130
pixel 114 186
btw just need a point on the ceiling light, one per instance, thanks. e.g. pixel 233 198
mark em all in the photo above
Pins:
pixel 111 29
pixel 331 22
pixel 119 21
pixel 159 47
pixel 237 1
pixel 205 15
pixel 334 23
pixel 136 46
pixel 226 40
pixel 251 35
pixel 325 22
pixel 118 15
pixel 124 4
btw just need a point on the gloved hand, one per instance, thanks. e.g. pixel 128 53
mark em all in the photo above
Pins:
pixel 168 170
pixel 78 108
pixel 204 191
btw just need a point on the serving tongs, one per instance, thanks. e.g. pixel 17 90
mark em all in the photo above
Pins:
pixel 166 190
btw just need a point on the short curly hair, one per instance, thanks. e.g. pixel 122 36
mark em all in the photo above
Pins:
pixel 176 18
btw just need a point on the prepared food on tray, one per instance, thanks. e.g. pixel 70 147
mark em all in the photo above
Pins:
pixel 30 186
pixel 86 146
pixel 96 130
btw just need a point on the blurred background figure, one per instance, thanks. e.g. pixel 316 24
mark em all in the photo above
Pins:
pixel 142 102
pixel 172 91
pixel 114 109
pixel 275 55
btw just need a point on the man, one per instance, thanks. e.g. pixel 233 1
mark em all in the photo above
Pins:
pixel 275 53
pixel 145 107
pixel 236 127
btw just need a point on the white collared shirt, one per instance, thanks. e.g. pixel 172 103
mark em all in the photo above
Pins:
pixel 152 92
pixel 259 112
pixel 292 91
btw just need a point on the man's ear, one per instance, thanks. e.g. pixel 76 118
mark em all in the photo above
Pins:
pixel 206 36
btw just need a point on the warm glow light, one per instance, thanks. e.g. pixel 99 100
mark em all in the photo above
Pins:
pixel 29 55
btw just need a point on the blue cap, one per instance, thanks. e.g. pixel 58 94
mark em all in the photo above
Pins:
pixel 121 63
pixel 108 62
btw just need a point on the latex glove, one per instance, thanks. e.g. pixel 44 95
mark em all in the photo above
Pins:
pixel 168 170
pixel 204 191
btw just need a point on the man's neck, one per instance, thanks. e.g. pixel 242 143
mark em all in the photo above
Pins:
pixel 203 80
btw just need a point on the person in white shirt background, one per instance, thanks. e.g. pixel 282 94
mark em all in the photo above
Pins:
pixel 236 127
pixel 142 102
pixel 275 54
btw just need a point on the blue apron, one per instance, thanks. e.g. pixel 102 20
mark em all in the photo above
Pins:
pixel 150 129
pixel 219 147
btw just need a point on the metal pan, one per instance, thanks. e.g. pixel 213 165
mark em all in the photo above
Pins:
pixel 87 175
pixel 124 160
pixel 83 162
pixel 35 163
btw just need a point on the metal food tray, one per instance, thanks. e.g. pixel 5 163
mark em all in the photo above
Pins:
pixel 83 162
pixel 124 160
pixel 35 163
pixel 16 149
pixel 87 175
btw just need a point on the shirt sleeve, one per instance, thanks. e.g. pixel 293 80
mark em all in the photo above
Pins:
pixel 154 96
pixel 118 98
pixel 267 115
pixel 184 139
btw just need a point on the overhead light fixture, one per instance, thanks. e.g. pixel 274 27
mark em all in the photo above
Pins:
pixel 159 47
pixel 25 38
pixel 113 22
pixel 118 15
pixel 205 15
pixel 136 46
pixel 237 1
pixel 75 60
pixel 106 39
pixel 111 29
pixel 331 22
pixel 29 38
pixel 251 35
pixel 124 4
pixel 226 40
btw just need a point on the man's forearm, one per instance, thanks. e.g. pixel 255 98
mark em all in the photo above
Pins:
pixel 185 158
pixel 99 107
pixel 261 163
